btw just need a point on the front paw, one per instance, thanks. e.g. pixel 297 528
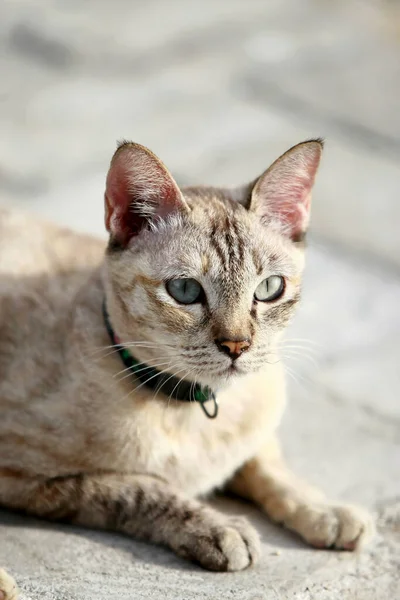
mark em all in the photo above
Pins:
pixel 333 526
pixel 8 587
pixel 220 543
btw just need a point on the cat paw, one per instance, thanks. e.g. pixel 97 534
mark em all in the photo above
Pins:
pixel 8 587
pixel 230 544
pixel 340 527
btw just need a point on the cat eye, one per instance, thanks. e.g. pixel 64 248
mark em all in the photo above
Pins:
pixel 185 291
pixel 270 289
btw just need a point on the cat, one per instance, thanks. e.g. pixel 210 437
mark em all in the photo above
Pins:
pixel 137 378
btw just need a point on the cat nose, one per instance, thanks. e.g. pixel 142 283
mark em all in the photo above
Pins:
pixel 234 348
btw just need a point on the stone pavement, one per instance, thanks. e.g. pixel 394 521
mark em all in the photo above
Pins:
pixel 219 89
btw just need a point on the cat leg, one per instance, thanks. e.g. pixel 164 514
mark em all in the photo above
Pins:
pixel 146 508
pixel 287 500
pixel 8 587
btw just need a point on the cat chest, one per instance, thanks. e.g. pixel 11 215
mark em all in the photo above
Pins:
pixel 189 450
pixel 195 462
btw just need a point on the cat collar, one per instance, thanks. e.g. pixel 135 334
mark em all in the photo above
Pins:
pixel 170 385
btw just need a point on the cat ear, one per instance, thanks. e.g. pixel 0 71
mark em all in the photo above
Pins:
pixel 283 193
pixel 139 189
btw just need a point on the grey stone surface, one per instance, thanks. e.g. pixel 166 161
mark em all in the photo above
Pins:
pixel 218 90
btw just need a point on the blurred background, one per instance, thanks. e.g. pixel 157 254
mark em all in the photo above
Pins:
pixel 218 89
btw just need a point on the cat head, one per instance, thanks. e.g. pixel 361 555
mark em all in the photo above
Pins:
pixel 200 282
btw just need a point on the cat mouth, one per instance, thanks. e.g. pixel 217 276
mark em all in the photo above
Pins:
pixel 228 371
pixel 235 370
pixel 232 370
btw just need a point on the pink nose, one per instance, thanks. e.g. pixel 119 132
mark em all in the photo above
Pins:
pixel 233 348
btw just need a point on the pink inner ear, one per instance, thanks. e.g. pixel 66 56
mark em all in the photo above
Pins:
pixel 283 193
pixel 138 188
pixel 120 219
pixel 291 205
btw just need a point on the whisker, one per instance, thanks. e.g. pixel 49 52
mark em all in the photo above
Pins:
pixel 143 369
pixel 298 357
pixel 180 381
pixel 306 352
pixel 300 380
pixel 300 349
pixel 117 347
pixel 270 362
pixel 313 351
pixel 114 347
pixel 305 340
pixel 144 383
pixel 146 362
pixel 191 390
pixel 152 377
pixel 161 384
pixel 291 354
pixel 170 395
pixel 115 350
pixel 156 345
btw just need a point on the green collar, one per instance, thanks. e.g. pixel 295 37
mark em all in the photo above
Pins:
pixel 180 389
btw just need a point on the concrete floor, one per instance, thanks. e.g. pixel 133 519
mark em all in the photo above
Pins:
pixel 219 89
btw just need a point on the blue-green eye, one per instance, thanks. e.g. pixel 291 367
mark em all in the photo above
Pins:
pixel 270 289
pixel 185 291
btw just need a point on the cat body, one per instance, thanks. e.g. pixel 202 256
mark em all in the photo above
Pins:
pixel 69 424
pixel 82 439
